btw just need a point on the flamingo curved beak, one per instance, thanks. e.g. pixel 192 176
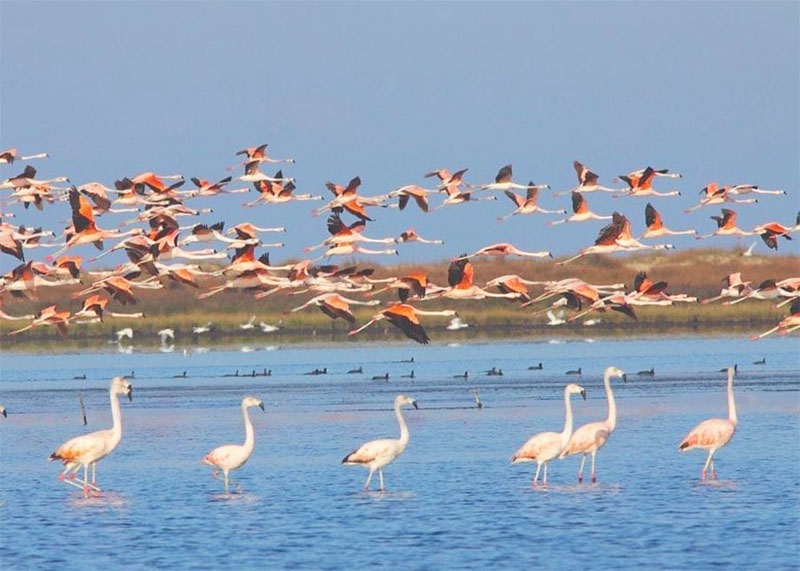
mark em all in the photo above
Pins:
pixel 261 405
pixel 583 394
pixel 414 403
pixel 130 395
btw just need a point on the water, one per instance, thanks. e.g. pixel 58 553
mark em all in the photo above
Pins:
pixel 453 501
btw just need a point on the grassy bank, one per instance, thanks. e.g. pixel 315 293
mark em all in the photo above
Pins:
pixel 693 272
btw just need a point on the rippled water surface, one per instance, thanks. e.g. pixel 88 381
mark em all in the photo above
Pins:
pixel 453 499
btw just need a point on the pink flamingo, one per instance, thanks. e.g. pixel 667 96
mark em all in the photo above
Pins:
pixel 713 433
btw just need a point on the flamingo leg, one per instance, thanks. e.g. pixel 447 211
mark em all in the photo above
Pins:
pixel 225 473
pixel 380 475
pixel 94 473
pixel 536 476
pixel 713 472
pixel 369 478
pixel 580 471
pixel 705 466
pixel 544 480
pixel 593 475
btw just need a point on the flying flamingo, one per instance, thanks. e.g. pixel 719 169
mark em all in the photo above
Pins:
pixel 233 456
pixel 406 318
pixel 259 153
pixel 641 184
pixel 546 446
pixel 655 226
pixel 409 191
pixel 271 192
pixel 94 308
pixel 656 173
pixel 735 287
pixel 503 182
pixel 456 196
pixel 589 438
pixel 580 211
pixel 7 157
pixel 716 195
pixel 512 284
pixel 460 278
pixel 506 249
pixel 252 173
pixel 27 178
pixel 527 205
pixel 341 234
pixel 245 230
pixel 726 226
pixel 377 454
pixel 771 231
pixel 411 235
pixel 334 306
pixel 86 450
pixel 587 181
pixel 48 316
pixel 713 433
pixel 787 324
pixel 206 188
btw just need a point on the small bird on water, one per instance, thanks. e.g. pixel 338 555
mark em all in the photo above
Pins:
pixel 538 367
pixel 384 377
pixel 578 371
pixel 464 376
pixel 358 371
pixel 649 373
pixel 762 361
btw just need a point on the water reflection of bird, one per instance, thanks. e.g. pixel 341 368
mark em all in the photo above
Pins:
pixel 377 454
pixel 478 401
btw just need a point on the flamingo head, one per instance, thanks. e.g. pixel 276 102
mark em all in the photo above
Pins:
pixel 574 389
pixel 403 400
pixel 615 372
pixel 122 386
pixel 247 402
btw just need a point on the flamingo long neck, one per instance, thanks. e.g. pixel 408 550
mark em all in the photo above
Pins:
pixel 249 433
pixel 566 434
pixel 731 402
pixel 116 417
pixel 611 421
pixel 403 427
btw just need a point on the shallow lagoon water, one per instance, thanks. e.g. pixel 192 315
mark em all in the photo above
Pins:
pixel 453 499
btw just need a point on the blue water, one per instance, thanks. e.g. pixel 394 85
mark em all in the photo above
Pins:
pixel 453 499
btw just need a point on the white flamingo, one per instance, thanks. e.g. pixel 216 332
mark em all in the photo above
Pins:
pixel 713 433
pixel 233 456
pixel 589 438
pixel 545 446
pixel 377 454
pixel 86 450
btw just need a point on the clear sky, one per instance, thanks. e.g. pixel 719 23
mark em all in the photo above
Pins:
pixel 389 91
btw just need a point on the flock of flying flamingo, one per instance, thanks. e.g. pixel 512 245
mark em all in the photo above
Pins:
pixel 710 435
pixel 157 250
pixel 158 206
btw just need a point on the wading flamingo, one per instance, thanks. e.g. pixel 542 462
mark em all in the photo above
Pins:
pixel 713 433
pixel 86 450
pixel 377 454
pixel 589 438
pixel 233 456
pixel 546 446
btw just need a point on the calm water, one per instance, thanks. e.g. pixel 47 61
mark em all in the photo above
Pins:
pixel 453 501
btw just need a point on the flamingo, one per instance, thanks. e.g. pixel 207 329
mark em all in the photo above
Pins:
pixel 656 173
pixel 252 173
pixel 713 433
pixel 409 191
pixel 260 153
pixel 406 318
pixel 335 306
pixel 272 192
pixel 503 182
pixel 512 283
pixel 206 188
pixel 716 195
pixel 546 446
pixel 640 184
pixel 587 181
pixel 506 249
pixel 787 324
pixel 8 157
pixel 589 438
pixel 411 235
pixel 48 316
pixel 580 211
pixel 527 205
pixel 460 278
pixel 27 178
pixel 726 226
pixel 88 449
pixel 94 308
pixel 233 456
pixel 377 454
pixel 735 287
pixel 771 231
pixel 655 226
pixel 245 230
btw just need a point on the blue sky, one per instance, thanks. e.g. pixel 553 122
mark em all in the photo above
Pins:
pixel 389 91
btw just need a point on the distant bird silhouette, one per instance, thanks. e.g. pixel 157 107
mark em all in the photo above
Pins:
pixel 384 377
pixel 181 376
pixel 358 371
pixel 538 367
pixel 762 361
pixel 410 376
pixel 578 371
pixel 649 373
pixel 464 376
